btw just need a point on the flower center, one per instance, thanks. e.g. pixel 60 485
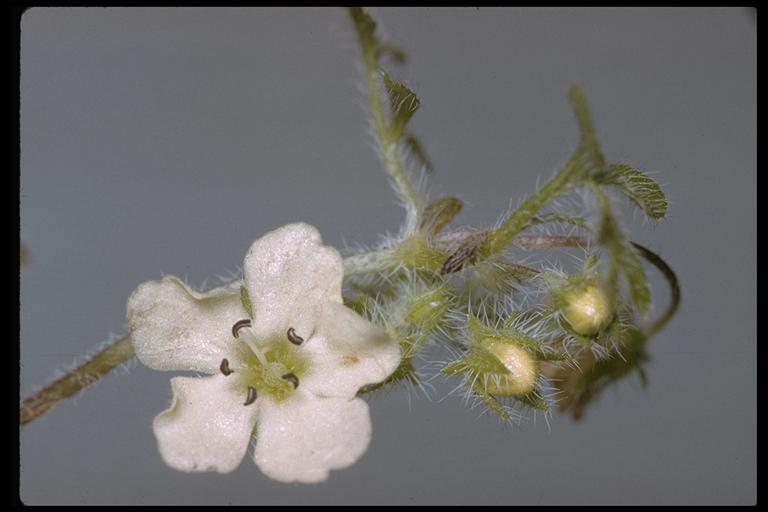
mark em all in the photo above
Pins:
pixel 266 366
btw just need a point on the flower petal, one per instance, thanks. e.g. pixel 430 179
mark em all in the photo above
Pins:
pixel 304 437
pixel 346 353
pixel 175 328
pixel 207 427
pixel 289 275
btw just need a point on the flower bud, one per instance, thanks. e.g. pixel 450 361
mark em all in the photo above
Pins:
pixel 587 308
pixel 523 369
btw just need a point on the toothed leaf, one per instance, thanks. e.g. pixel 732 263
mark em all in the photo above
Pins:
pixel 638 187
pixel 403 103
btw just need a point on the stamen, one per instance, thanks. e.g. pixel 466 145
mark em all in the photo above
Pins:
pixel 293 337
pixel 239 325
pixel 292 378
pixel 252 395
pixel 224 367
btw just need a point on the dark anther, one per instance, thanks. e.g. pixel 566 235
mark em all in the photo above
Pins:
pixel 292 378
pixel 224 367
pixel 251 396
pixel 239 325
pixel 294 338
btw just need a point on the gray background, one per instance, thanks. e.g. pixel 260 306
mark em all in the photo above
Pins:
pixel 167 140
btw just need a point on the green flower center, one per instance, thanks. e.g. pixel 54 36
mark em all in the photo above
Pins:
pixel 273 367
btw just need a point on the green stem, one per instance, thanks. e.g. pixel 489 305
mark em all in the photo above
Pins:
pixel 501 237
pixel 586 128
pixel 385 259
pixel 608 233
pixel 387 147
pixel 78 379
pixel 373 261
pixel 121 350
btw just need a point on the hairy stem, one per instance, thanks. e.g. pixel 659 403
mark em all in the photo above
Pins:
pixel 78 379
pixel 586 128
pixel 385 259
pixel 367 262
pixel 501 237
pixel 121 350
pixel 387 147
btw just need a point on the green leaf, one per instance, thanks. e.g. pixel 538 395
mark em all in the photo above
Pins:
pixel 638 187
pixel 439 214
pixel 625 260
pixel 403 103
pixel 418 151
pixel 634 275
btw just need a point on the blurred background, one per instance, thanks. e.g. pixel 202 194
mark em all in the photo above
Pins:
pixel 166 140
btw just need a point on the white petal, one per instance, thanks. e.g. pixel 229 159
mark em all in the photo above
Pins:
pixel 176 328
pixel 289 275
pixel 346 353
pixel 304 437
pixel 207 427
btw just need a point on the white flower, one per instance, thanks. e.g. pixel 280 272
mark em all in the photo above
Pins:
pixel 289 375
